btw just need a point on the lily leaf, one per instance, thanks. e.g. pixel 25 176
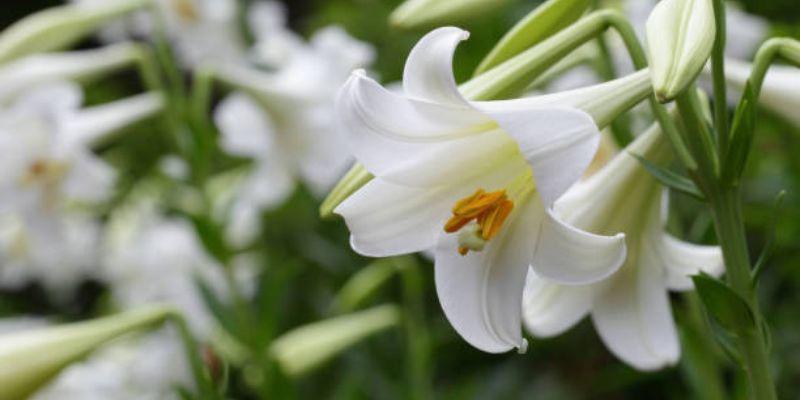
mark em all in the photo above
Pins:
pixel 670 179
pixel 741 138
pixel 769 245
pixel 726 307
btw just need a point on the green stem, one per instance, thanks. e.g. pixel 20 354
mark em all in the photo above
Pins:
pixel 418 348
pixel 620 127
pixel 698 139
pixel 727 210
pixel 718 75
pixel 700 365
pixel 786 48
pixel 201 378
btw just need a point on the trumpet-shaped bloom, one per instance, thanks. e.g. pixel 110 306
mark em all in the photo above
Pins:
pixel 46 170
pixel 285 121
pixel 630 309
pixel 473 180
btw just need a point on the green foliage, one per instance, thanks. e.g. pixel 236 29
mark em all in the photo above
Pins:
pixel 727 308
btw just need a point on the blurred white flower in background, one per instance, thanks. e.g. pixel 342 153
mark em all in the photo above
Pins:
pixel 283 118
pixel 59 258
pixel 48 173
pixel 200 30
pixel 150 258
pixel 145 367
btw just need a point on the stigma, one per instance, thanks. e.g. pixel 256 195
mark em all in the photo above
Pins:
pixel 479 218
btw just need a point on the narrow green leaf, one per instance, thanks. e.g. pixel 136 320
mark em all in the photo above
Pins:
pixel 724 305
pixel 212 238
pixel 769 245
pixel 670 179
pixel 221 312
pixel 742 133
pixel 543 22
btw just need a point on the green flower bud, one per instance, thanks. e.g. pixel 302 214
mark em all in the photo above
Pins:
pixel 414 14
pixel 29 359
pixel 309 346
pixel 59 27
pixel 680 36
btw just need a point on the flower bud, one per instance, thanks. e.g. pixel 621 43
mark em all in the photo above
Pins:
pixel 414 14
pixel 680 36
pixel 58 27
pixel 29 359
pixel 309 346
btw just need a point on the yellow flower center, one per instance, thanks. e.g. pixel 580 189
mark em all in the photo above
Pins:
pixel 487 210
pixel 47 175
pixel 186 9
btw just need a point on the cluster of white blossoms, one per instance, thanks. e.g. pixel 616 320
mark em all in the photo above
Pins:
pixel 486 185
pixel 52 180
pixel 531 224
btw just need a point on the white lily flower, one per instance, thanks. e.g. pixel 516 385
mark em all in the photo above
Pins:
pixel 200 30
pixel 148 367
pixel 474 180
pixel 286 123
pixel 780 92
pixel 630 309
pixel 47 168
pixel 58 252
pixel 153 259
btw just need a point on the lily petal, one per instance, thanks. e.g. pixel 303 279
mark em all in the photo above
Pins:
pixel 682 259
pixel 428 73
pixel 92 125
pixel 388 219
pixel 481 292
pixel 559 148
pixel 391 133
pixel 549 309
pixel 634 318
pixel 246 129
pixel 570 256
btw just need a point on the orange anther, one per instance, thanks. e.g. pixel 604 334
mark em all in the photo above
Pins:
pixel 489 210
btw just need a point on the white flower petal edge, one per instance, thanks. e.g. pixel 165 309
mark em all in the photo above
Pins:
pixel 480 293
pixel 550 309
pixel 574 257
pixel 683 259
pixel 428 74
pixel 634 318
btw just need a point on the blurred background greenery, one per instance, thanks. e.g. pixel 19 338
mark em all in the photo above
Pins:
pixel 307 260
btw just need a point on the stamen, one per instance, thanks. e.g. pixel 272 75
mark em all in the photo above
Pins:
pixel 488 210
